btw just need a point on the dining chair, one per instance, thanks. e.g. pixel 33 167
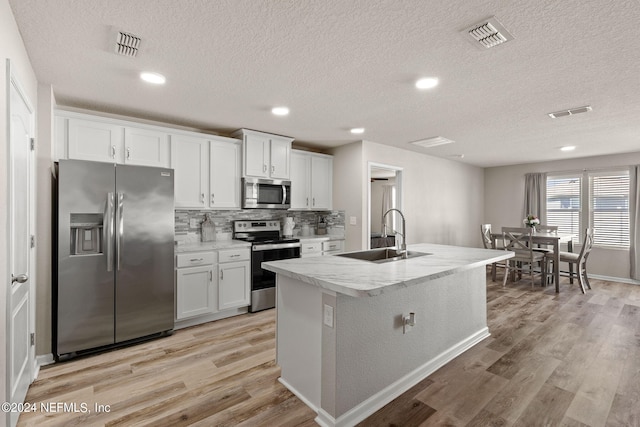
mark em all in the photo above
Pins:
pixel 580 261
pixel 489 243
pixel 518 240
pixel 549 229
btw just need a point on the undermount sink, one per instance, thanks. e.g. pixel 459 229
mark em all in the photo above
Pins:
pixel 382 255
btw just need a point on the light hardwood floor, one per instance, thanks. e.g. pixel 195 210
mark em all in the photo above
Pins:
pixel 552 360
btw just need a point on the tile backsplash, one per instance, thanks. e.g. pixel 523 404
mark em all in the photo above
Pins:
pixel 223 220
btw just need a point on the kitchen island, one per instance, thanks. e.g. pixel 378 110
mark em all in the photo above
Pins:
pixel 343 343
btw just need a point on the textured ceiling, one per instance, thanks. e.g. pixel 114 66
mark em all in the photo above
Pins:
pixel 339 64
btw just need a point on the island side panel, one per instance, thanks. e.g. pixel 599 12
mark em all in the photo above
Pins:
pixel 372 353
pixel 299 338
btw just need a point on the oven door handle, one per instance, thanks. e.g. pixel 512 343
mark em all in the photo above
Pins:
pixel 272 246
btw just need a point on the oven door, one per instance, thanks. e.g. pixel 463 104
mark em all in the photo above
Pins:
pixel 262 279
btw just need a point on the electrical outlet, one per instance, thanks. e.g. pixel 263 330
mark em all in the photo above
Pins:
pixel 353 220
pixel 193 223
pixel 328 315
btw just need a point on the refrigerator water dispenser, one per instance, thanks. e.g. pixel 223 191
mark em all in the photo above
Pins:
pixel 86 234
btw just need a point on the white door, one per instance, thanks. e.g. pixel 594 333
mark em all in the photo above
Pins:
pixel 280 155
pixel 189 162
pixel 20 352
pixel 300 184
pixel 146 148
pixel 224 180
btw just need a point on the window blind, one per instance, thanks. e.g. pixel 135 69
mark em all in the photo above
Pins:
pixel 609 209
pixel 563 204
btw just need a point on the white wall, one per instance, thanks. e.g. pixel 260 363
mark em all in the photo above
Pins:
pixel 504 202
pixel 348 185
pixel 442 200
pixel 12 48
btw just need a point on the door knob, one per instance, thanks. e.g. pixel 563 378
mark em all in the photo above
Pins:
pixel 20 278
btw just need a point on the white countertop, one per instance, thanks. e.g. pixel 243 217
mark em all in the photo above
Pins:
pixel 319 237
pixel 363 278
pixel 210 246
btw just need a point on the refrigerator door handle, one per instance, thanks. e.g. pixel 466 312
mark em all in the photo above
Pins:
pixel 107 229
pixel 119 229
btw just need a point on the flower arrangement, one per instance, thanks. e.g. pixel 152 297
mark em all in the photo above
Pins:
pixel 531 221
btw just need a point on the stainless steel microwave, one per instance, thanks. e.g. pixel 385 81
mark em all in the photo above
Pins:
pixel 260 193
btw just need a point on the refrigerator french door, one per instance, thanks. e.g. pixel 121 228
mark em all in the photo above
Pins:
pixel 114 257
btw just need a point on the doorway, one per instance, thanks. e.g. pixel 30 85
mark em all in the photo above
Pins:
pixel 384 193
pixel 20 309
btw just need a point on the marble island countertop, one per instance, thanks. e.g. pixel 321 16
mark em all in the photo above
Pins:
pixel 360 278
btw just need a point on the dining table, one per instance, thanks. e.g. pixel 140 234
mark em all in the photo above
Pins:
pixel 545 238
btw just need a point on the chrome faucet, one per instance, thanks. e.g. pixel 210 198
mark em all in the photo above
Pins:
pixel 403 246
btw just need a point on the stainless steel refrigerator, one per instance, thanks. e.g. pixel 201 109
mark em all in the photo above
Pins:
pixel 113 279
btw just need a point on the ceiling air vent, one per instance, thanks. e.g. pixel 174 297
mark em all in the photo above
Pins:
pixel 488 33
pixel 432 142
pixel 127 44
pixel 569 112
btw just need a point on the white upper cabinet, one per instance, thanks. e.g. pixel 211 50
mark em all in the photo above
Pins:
pixel 224 175
pixel 189 160
pixel 103 141
pixel 300 180
pixel 280 156
pixel 207 172
pixel 311 181
pixel 146 147
pixel 97 141
pixel 265 155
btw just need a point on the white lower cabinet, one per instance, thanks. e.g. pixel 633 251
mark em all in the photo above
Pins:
pixel 196 284
pixel 208 283
pixel 309 249
pixel 196 291
pixel 234 281
pixel 332 247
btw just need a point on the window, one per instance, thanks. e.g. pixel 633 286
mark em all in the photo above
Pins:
pixel 563 203
pixel 609 209
pixel 591 199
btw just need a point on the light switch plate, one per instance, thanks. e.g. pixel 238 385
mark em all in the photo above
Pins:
pixel 193 223
pixel 328 315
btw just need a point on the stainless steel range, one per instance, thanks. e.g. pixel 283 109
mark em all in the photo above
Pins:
pixel 267 244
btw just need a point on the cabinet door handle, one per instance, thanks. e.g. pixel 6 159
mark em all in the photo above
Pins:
pixel 221 274
pixel 113 151
pixel 314 201
pixel 234 256
pixel 202 198
pixel 307 201
pixel 211 276
pixel 264 168
pixel 211 198
pixel 128 153
pixel 273 169
pixel 196 259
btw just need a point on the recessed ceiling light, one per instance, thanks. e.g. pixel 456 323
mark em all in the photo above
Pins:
pixel 427 83
pixel 568 148
pixel 357 130
pixel 280 111
pixel 155 78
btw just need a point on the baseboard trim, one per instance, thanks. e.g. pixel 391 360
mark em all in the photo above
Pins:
pixel 386 395
pixel 298 394
pixel 41 360
pixel 613 279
